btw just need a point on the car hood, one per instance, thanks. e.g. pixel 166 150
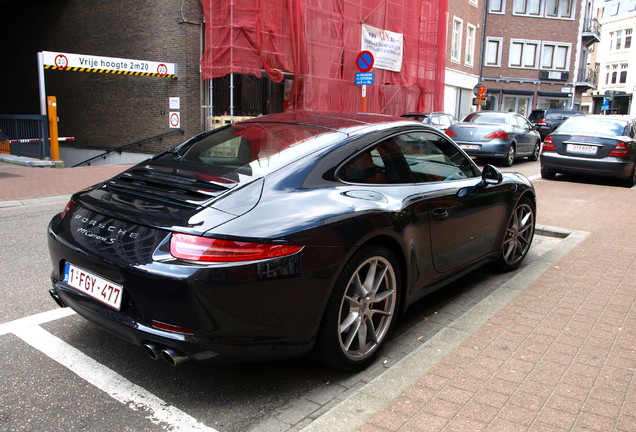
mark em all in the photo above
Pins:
pixel 159 196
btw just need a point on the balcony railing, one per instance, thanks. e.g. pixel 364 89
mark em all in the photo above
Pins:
pixel 587 77
pixel 591 31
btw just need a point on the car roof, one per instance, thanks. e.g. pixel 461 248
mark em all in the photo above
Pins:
pixel 346 122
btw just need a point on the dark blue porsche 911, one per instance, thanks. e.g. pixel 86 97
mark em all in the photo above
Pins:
pixel 286 235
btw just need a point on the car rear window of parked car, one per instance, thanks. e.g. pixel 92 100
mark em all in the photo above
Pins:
pixel 596 127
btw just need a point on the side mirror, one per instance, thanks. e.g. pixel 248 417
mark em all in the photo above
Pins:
pixel 490 175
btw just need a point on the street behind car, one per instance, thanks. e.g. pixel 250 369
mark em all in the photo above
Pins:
pixel 596 145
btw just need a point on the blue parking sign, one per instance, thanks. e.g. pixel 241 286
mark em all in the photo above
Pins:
pixel 365 78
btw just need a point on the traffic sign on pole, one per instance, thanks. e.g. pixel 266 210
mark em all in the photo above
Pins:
pixel 364 61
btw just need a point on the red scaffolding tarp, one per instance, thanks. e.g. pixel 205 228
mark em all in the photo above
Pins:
pixel 318 41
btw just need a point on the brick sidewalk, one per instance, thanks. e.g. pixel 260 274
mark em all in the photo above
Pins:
pixel 19 183
pixel 562 355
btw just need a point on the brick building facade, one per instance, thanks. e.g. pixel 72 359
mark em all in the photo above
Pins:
pixel 535 53
pixel 107 110
pixel 463 55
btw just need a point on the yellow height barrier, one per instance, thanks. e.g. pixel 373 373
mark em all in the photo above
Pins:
pixel 53 135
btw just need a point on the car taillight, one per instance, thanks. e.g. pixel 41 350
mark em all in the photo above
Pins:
pixel 206 249
pixel 67 209
pixel 498 134
pixel 450 133
pixel 621 150
pixel 542 122
pixel 548 145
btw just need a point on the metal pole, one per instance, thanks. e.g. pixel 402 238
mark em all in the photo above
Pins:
pixel 232 94
pixel 53 135
pixel 41 83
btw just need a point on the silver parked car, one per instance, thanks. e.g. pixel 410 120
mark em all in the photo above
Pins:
pixel 597 145
pixel 439 120
pixel 497 134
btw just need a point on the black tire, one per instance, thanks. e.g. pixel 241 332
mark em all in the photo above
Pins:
pixel 510 157
pixel 518 236
pixel 548 175
pixel 535 153
pixel 358 318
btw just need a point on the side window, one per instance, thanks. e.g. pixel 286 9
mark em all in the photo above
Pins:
pixel 436 120
pixel 521 123
pixel 380 164
pixel 432 158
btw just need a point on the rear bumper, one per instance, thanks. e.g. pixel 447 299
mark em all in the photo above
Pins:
pixel 608 167
pixel 496 150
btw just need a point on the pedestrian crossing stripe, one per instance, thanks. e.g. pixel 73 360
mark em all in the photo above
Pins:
pixel 110 71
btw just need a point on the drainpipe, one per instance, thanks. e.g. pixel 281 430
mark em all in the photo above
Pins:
pixel 481 46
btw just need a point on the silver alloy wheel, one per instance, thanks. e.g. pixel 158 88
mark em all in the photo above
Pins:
pixel 367 308
pixel 519 234
pixel 510 159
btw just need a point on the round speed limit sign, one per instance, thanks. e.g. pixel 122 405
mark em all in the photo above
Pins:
pixel 61 61
pixel 175 120
pixel 162 70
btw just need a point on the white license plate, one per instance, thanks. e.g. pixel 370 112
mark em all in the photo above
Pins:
pixel 95 286
pixel 469 146
pixel 585 149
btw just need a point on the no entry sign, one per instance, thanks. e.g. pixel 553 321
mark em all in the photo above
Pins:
pixel 364 61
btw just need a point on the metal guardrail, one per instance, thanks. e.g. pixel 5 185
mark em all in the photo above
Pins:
pixel 25 135
pixel 121 148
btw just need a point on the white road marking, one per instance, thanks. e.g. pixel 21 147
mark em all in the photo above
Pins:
pixel 119 388
pixel 37 319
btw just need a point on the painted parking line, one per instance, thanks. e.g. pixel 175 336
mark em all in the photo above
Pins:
pixel 119 388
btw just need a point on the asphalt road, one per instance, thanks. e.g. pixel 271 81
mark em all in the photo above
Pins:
pixel 61 373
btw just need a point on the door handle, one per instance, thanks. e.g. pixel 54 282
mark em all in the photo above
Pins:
pixel 439 214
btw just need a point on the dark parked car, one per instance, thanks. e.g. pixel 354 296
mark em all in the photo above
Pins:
pixel 497 134
pixel 547 120
pixel 438 120
pixel 596 145
pixel 284 235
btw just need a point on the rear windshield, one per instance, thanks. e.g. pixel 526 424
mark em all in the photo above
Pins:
pixel 252 149
pixel 536 115
pixel 561 115
pixel 486 118
pixel 593 126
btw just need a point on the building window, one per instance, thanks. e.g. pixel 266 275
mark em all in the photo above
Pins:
pixel 474 2
pixel 497 6
pixel 493 52
pixel 471 31
pixel 548 8
pixel 623 75
pixel 527 7
pixel 555 56
pixel 620 39
pixel 523 54
pixel 632 6
pixel 456 42
pixel 615 8
pixel 558 8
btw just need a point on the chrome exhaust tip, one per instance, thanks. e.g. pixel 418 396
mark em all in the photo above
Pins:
pixel 57 298
pixel 174 357
pixel 153 351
